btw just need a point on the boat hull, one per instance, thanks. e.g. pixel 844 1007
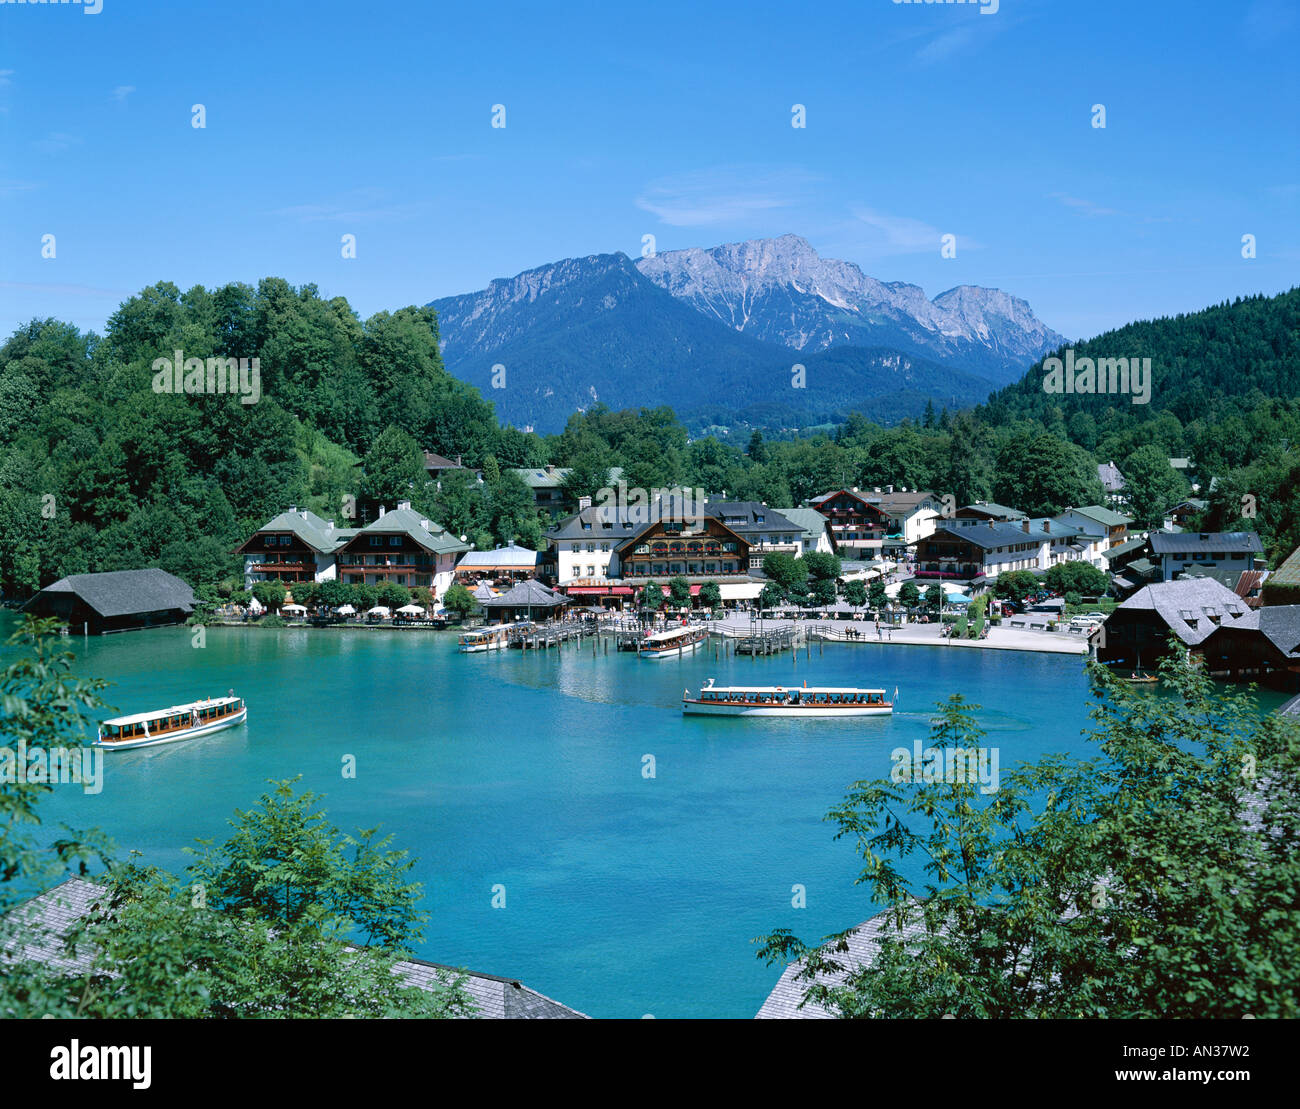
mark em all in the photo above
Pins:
pixel 716 708
pixel 674 651
pixel 177 737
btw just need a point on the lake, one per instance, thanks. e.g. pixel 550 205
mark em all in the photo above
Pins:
pixel 624 895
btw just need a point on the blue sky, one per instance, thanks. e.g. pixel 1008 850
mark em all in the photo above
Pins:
pixel 671 119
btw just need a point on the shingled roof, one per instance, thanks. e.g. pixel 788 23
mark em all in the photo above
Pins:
pixel 43 921
pixel 1206 542
pixel 123 592
pixel 864 945
pixel 307 526
pixel 1187 605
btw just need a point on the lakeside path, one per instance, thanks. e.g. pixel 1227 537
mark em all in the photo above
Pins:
pixel 927 635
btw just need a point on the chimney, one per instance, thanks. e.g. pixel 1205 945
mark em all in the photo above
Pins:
pixel 404 504
pixel 889 488
pixel 550 468
pixel 458 460
pixel 425 524
pixel 382 510
pixel 1025 525
pixel 293 508
pixel 584 502
pixel 990 523
pixel 1047 526
pixel 330 526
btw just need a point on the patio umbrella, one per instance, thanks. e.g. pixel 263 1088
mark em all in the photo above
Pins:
pixel 412 610
pixel 379 610
pixel 294 608
pixel 346 610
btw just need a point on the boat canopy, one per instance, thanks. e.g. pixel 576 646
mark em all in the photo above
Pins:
pixel 175 710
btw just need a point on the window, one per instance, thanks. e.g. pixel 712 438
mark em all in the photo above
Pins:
pixel 605 547
pixel 284 540
pixel 376 541
pixel 591 571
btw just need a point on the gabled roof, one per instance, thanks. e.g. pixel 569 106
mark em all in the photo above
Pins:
pixel 438 462
pixel 622 520
pixel 1127 547
pixel 42 922
pixel 1281 624
pixel 864 944
pixel 1289 572
pixel 1187 605
pixel 811 522
pixel 513 556
pixel 997 511
pixel 1105 516
pixel 530 593
pixel 899 503
pixel 859 496
pixel 406 521
pixel 308 527
pixel 122 592
pixel 1111 479
pixel 1213 542
pixel 744 516
pixel 988 536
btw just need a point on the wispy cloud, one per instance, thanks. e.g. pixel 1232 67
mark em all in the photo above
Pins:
pixel 8 188
pixel 6 78
pixel 724 194
pixel 945 45
pixel 56 142
pixel 1086 207
pixel 879 234
pixel 122 92
pixel 358 206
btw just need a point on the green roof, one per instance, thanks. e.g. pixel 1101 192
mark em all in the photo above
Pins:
pixel 1103 515
pixel 1289 572
pixel 407 521
pixel 311 529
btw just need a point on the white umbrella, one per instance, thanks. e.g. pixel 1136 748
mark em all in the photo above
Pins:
pixel 254 605
pixel 412 610
pixel 346 610
pixel 379 610
pixel 294 608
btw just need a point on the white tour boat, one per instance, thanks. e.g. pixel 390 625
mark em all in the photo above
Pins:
pixel 495 637
pixel 673 643
pixel 745 700
pixel 146 729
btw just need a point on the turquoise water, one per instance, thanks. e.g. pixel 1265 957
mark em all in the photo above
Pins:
pixel 624 895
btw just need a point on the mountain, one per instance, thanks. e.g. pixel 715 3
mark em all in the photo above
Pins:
pixel 782 291
pixel 720 331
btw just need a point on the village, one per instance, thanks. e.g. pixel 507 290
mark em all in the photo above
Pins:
pixel 886 564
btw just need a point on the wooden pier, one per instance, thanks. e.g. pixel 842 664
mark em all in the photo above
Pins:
pixel 771 642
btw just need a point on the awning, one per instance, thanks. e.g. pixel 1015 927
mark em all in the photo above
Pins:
pixel 599 590
pixel 742 591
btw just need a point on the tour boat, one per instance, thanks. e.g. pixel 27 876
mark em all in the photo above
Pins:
pixel 493 638
pixel 674 642
pixel 766 700
pixel 145 729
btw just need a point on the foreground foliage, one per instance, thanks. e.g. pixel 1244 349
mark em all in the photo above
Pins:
pixel 1157 879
